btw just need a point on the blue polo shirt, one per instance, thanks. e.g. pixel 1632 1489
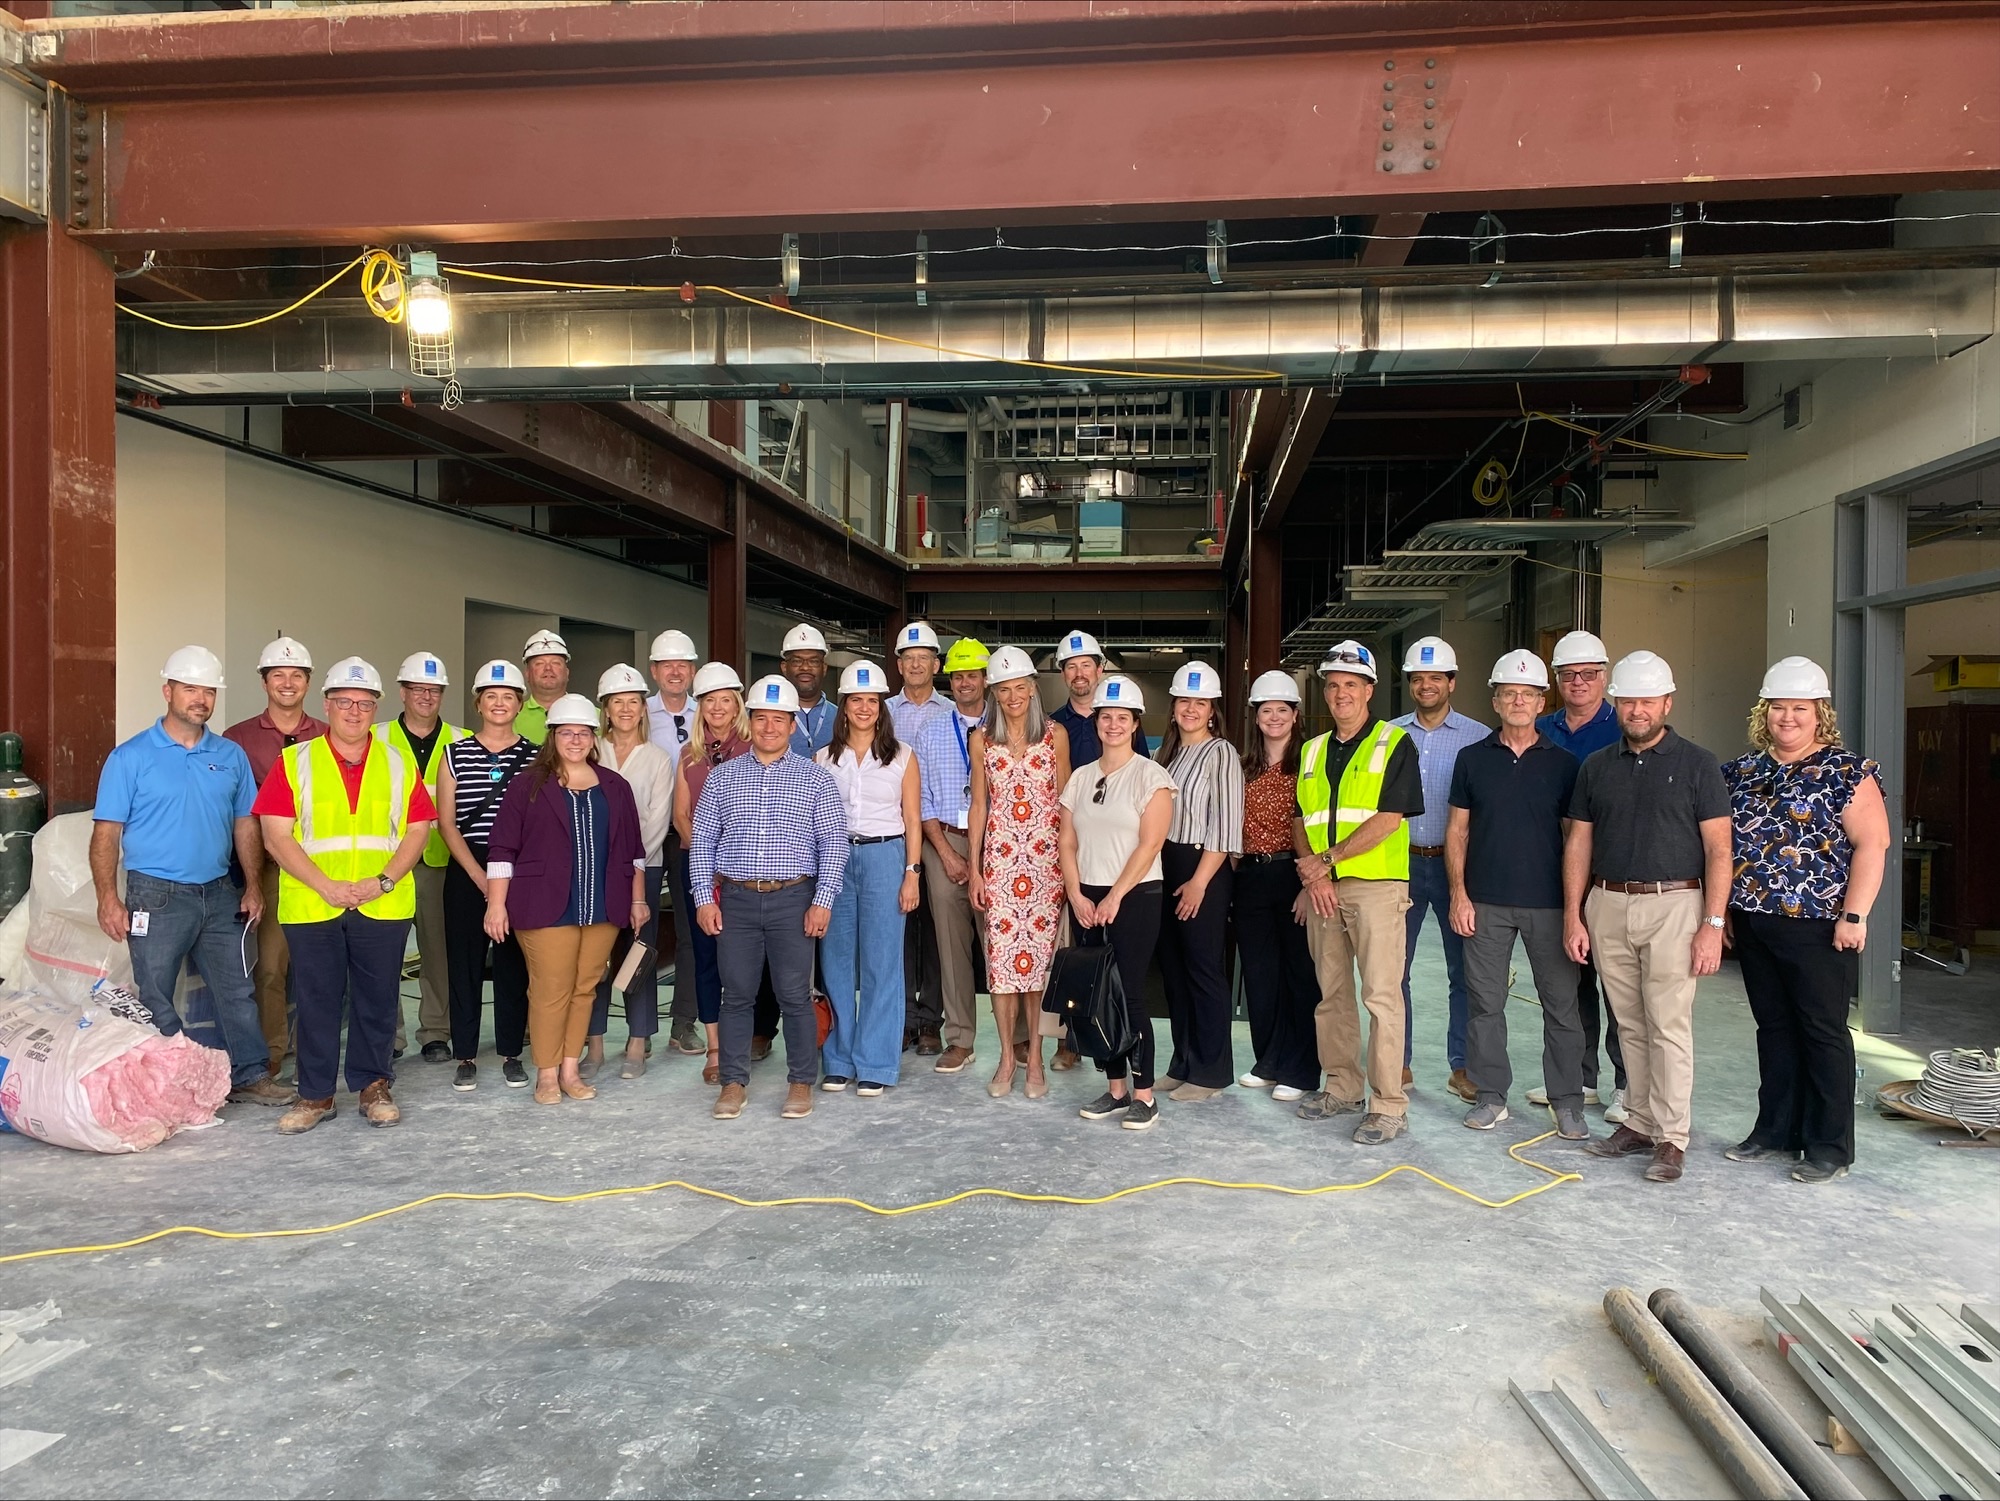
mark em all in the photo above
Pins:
pixel 179 806
pixel 1084 746
pixel 1600 730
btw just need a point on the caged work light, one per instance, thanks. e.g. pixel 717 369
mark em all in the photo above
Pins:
pixel 427 318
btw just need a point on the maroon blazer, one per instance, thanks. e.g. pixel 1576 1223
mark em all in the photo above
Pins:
pixel 535 838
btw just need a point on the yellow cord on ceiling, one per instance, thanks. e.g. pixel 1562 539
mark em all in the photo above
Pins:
pixel 208 328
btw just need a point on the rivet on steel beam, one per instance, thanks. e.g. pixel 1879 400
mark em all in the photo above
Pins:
pixel 1388 124
pixel 1430 145
pixel 1430 83
pixel 1390 64
pixel 1388 145
pixel 1430 62
pixel 1388 166
pixel 1430 165
pixel 1430 125
pixel 1388 104
pixel 1390 86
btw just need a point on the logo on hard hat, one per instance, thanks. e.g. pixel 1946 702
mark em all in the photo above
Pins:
pixel 1076 643
pixel 862 677
pixel 1427 654
pixel 354 672
pixel 499 672
pixel 1194 680
pixel 770 693
pixel 1111 690
pixel 430 667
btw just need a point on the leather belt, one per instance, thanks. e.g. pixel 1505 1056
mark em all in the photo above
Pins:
pixel 1645 888
pixel 767 885
pixel 1428 851
pixel 1255 858
pixel 872 838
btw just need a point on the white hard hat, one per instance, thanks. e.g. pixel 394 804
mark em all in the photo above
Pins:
pixel 773 692
pixel 1577 648
pixel 1522 668
pixel 285 652
pixel 863 677
pixel 673 646
pixel 1349 656
pixel 1274 687
pixel 1118 692
pixel 623 678
pixel 1077 644
pixel 1196 680
pixel 1007 664
pixel 423 667
pixel 196 666
pixel 1641 675
pixel 572 708
pixel 1789 677
pixel 351 672
pixel 500 673
pixel 714 675
pixel 917 633
pixel 545 644
pixel 1430 654
pixel 803 638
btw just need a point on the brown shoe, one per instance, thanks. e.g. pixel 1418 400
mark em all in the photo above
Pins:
pixel 929 1044
pixel 376 1107
pixel 1666 1164
pixel 798 1102
pixel 953 1060
pixel 729 1104
pixel 1408 1078
pixel 1066 1058
pixel 1461 1085
pixel 304 1116
pixel 1623 1142
pixel 760 1049
pixel 579 1090
pixel 1020 1052
pixel 711 1072
pixel 265 1091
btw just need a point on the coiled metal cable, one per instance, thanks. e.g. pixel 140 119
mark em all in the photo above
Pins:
pixel 1963 1083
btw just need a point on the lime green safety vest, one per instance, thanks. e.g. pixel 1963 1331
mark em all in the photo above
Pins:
pixel 393 733
pixel 1360 800
pixel 346 846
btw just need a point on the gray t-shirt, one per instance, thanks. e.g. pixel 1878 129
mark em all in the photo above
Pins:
pixel 1645 810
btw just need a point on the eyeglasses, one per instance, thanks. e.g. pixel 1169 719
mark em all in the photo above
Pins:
pixel 1579 674
pixel 422 688
pixel 351 705
pixel 681 730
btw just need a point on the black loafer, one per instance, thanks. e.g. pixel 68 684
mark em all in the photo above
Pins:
pixel 437 1052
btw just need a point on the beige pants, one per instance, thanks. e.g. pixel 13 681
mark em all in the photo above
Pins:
pixel 433 986
pixel 958 929
pixel 1644 948
pixel 274 969
pixel 1368 931
pixel 564 966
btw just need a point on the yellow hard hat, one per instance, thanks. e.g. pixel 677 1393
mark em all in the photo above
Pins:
pixel 967 655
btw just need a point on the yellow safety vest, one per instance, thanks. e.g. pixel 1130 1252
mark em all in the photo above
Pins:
pixel 346 845
pixel 393 733
pixel 1360 800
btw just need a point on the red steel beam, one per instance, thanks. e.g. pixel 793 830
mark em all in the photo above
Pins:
pixel 58 549
pixel 1311 412
pixel 728 586
pixel 1896 100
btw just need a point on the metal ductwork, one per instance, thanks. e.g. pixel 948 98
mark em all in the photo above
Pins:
pixel 584 344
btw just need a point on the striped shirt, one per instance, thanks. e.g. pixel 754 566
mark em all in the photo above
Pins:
pixel 1208 811
pixel 478 777
pixel 1437 754
pixel 944 767
pixel 769 823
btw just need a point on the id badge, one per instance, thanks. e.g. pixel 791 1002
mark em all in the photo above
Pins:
pixel 142 923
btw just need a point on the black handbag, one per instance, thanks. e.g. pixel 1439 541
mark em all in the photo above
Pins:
pixel 1085 989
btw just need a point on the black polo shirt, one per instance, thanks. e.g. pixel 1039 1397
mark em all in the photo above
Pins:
pixel 1645 810
pixel 1516 805
pixel 1402 778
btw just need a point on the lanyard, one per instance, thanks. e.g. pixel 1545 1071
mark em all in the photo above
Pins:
pixel 964 749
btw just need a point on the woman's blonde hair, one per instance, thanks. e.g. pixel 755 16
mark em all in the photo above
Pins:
pixel 741 729
pixel 1827 731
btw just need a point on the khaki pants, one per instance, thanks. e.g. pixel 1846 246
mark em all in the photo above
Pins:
pixel 958 928
pixel 273 974
pixel 1644 948
pixel 1369 931
pixel 433 981
pixel 564 966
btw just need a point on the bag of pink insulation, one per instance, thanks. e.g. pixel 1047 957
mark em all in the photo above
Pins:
pixel 94 1078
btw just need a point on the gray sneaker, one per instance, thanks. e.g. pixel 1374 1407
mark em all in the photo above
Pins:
pixel 683 1039
pixel 1376 1129
pixel 1486 1117
pixel 263 1092
pixel 1321 1105
pixel 1570 1125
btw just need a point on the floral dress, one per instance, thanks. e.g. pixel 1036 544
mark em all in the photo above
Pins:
pixel 1792 853
pixel 1019 861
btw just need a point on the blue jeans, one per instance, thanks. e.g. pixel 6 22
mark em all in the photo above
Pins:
pixel 199 922
pixel 760 928
pixel 861 964
pixel 1430 891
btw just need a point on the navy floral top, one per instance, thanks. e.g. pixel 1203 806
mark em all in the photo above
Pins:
pixel 1791 853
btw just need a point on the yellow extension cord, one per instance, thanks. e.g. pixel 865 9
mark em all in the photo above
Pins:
pixel 1556 1179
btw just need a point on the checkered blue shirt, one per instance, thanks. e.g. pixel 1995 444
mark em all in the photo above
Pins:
pixel 769 823
pixel 1437 754
pixel 944 767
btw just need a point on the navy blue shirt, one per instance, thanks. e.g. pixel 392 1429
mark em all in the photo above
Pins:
pixel 1083 743
pixel 590 852
pixel 1600 730
pixel 1515 807
pixel 179 806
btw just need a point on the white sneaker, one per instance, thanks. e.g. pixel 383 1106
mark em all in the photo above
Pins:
pixel 1590 1097
pixel 1540 1096
pixel 1286 1093
pixel 1615 1113
pixel 1251 1081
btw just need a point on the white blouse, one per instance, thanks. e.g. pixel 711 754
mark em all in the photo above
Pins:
pixel 872 792
pixel 650 770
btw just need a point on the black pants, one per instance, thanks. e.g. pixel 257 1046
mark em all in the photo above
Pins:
pixel 1592 1011
pixel 686 1002
pixel 1280 989
pixel 465 948
pixel 1798 984
pixel 1194 965
pixel 923 986
pixel 1134 934
pixel 642 997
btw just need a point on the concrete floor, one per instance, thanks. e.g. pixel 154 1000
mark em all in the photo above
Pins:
pixel 1186 1342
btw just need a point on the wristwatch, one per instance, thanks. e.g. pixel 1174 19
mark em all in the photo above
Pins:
pixel 387 884
pixel 1854 917
pixel 1716 922
pixel 913 869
